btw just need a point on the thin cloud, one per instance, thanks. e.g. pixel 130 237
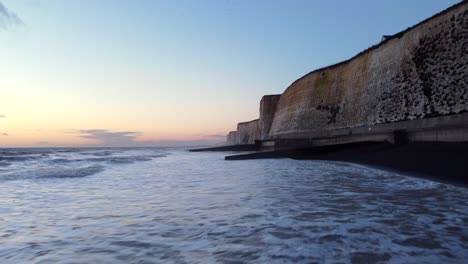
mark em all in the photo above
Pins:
pixel 178 143
pixel 8 19
pixel 107 138
pixel 4 134
pixel 2 116
pixel 212 136
pixel 216 136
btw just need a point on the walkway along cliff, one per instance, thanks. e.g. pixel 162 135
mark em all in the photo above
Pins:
pixel 411 87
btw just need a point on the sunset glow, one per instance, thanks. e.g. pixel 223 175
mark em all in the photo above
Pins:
pixel 165 71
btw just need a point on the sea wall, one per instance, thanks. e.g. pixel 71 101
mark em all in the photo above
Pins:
pixel 268 106
pixel 247 132
pixel 419 73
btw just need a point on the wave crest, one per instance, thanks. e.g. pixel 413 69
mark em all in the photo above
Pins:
pixel 53 173
pixel 112 159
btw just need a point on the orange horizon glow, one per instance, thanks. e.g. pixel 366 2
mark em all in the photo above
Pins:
pixel 138 73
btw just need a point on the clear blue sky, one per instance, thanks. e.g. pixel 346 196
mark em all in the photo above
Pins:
pixel 171 70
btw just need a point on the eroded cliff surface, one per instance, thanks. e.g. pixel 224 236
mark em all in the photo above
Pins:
pixel 231 138
pixel 268 106
pixel 247 132
pixel 419 73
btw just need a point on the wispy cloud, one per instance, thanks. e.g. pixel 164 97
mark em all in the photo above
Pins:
pixel 8 18
pixel 106 137
pixel 2 116
pixel 211 136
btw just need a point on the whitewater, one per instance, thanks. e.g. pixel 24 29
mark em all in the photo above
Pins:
pixel 167 205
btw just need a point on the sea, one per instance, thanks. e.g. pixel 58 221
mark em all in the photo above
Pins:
pixel 168 205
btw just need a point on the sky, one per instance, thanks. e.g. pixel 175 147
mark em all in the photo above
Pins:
pixel 175 72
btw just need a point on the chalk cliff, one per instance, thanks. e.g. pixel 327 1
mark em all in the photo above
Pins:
pixel 247 132
pixel 231 138
pixel 258 129
pixel 419 73
pixel 268 106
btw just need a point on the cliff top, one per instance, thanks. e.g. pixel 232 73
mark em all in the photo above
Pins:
pixel 386 39
pixel 246 122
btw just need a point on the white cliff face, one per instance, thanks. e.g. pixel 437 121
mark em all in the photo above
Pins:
pixel 419 74
pixel 416 74
pixel 268 106
pixel 258 129
pixel 247 132
pixel 231 138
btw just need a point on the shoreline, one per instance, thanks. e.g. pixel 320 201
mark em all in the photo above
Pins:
pixel 245 147
pixel 445 162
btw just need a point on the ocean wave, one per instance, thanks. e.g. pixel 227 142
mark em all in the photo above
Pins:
pixel 15 158
pixel 65 163
pixel 22 152
pixel 125 160
pixel 72 172
pixel 100 153
pixel 54 172
pixel 112 160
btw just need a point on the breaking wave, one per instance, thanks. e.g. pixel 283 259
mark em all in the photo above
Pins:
pixel 109 159
pixel 14 158
pixel 20 164
pixel 71 173
pixel 54 172
pixel 197 208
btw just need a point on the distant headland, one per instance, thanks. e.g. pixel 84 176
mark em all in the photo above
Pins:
pixel 408 91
